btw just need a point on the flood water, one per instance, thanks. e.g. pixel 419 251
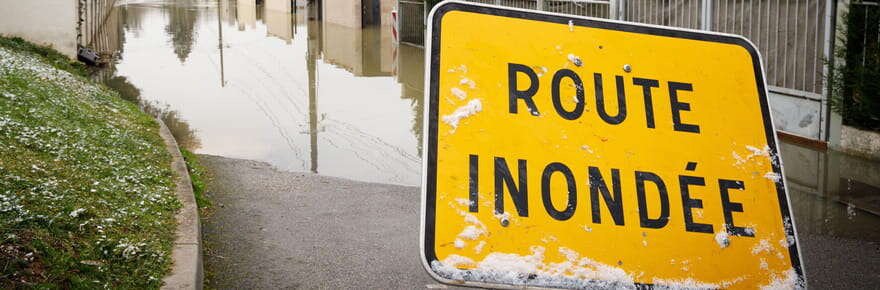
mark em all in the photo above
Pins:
pixel 303 93
pixel 280 86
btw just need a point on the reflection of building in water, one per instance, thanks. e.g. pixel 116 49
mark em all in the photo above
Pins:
pixel 278 5
pixel 411 76
pixel 316 10
pixel 359 13
pixel 345 13
pixel 357 50
pixel 279 19
pixel 246 14
pixel 228 11
pixel 357 36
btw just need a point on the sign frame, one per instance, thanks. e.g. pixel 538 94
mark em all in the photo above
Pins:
pixel 432 120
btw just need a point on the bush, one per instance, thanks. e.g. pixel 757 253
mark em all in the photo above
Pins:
pixel 855 83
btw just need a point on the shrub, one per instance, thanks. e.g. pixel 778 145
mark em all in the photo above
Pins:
pixel 855 82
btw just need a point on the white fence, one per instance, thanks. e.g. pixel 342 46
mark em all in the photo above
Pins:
pixel 795 39
pixel 793 36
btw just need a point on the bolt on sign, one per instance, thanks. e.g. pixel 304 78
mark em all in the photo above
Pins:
pixel 577 152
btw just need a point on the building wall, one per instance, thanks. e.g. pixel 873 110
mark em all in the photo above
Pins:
pixel 796 115
pixel 343 46
pixel 46 22
pixel 387 41
pixel 278 5
pixel 278 17
pixel 246 14
pixel 343 12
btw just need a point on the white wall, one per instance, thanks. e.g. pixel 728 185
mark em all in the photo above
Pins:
pixel 46 22
pixel 796 115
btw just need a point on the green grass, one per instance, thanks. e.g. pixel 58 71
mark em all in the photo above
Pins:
pixel 86 188
pixel 48 55
pixel 198 177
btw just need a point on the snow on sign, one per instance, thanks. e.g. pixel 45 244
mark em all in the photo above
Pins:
pixel 578 152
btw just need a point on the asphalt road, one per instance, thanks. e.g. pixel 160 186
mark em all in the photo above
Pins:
pixel 278 230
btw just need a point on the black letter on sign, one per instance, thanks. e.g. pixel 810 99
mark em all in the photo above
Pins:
pixel 512 69
pixel 677 106
pixel 647 222
pixel 615 204
pixel 545 191
pixel 474 183
pixel 730 207
pixel 600 101
pixel 689 203
pixel 519 194
pixel 579 89
pixel 647 84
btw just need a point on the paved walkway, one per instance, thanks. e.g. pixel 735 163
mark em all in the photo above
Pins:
pixel 274 229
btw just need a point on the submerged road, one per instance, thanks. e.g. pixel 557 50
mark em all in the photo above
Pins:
pixel 272 229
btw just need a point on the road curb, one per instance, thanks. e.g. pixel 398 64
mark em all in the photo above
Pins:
pixel 186 266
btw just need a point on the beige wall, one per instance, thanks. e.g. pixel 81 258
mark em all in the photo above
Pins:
pixel 343 47
pixel 278 5
pixel 385 8
pixel 47 22
pixel 387 39
pixel 247 14
pixel 343 12
pixel 279 19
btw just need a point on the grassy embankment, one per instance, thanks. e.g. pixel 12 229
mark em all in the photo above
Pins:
pixel 86 188
pixel 198 176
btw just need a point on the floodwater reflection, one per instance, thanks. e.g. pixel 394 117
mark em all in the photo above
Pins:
pixel 277 83
pixel 833 194
pixel 271 82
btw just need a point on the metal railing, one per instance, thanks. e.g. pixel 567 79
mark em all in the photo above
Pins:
pixel 676 13
pixel 592 8
pixel 794 36
pixel 412 21
pixel 527 4
pixel 93 16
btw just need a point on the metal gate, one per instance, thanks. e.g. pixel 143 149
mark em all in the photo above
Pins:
pixel 795 39
pixel 592 8
pixel 412 21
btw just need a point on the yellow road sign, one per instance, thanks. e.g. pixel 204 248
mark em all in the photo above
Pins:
pixel 574 152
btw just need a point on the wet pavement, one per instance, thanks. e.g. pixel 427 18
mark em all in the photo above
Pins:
pixel 304 94
pixel 311 232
